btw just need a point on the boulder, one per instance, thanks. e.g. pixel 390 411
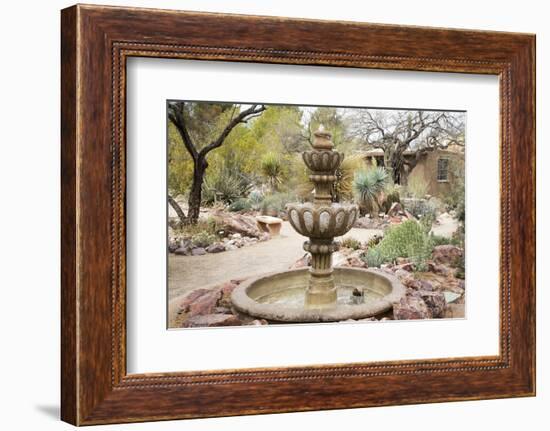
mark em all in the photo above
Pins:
pixel 258 322
pixel 435 301
pixel 173 245
pixel 356 262
pixel 403 274
pixel 217 247
pixel 241 224
pixel 192 297
pixel 446 254
pixel 442 269
pixel 408 266
pixel 411 307
pixel 411 283
pixel 226 290
pixel 455 311
pixel 304 261
pixel 198 251
pixel 209 320
pixel 204 304
pixel 183 251
pixel 395 209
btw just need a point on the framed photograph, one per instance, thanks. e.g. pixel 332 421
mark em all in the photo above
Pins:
pixel 264 215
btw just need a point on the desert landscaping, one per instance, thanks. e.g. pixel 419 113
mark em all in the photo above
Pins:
pixel 409 225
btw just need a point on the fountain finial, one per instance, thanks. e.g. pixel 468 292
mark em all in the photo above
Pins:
pixel 322 139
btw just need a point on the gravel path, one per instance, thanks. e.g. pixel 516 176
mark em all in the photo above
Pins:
pixel 446 226
pixel 189 272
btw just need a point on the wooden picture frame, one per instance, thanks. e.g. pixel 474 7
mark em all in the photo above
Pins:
pixel 95 43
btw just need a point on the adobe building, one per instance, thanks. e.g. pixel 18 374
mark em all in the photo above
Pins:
pixel 439 168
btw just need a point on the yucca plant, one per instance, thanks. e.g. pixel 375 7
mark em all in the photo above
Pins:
pixel 272 168
pixel 368 185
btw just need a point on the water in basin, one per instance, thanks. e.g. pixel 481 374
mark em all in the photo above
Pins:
pixel 295 296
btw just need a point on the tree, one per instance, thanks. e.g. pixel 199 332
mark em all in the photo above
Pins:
pixel 396 132
pixel 182 115
pixel 280 129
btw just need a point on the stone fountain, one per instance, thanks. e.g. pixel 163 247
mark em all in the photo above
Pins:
pixel 320 293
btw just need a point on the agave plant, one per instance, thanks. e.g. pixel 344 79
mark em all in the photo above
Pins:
pixel 368 185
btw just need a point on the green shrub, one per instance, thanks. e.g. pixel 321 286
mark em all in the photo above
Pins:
pixel 374 241
pixel 427 220
pixel 420 207
pixel 410 240
pixel 443 240
pixel 373 258
pixel 275 203
pixel 226 186
pixel 241 204
pixel 255 199
pixel 209 225
pixel 417 187
pixel 345 174
pixel 203 239
pixel 350 242
pixel 391 198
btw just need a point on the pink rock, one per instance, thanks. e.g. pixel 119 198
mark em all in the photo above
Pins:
pixel 191 297
pixel 228 287
pixel 209 320
pixel 404 266
pixel 304 261
pixel 442 269
pixel 411 282
pixel 258 322
pixel 446 254
pixel 205 304
pixel 411 307
pixel 435 301
pixel 356 262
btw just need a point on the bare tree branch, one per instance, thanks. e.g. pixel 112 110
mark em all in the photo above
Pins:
pixel 177 117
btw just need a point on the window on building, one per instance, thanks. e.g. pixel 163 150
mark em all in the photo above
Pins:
pixel 443 170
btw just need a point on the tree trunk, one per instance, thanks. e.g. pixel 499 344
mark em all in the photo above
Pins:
pixel 391 163
pixel 177 209
pixel 195 195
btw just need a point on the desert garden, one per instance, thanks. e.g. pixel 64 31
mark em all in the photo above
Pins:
pixel 233 169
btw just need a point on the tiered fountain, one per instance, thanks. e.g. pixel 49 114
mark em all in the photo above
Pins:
pixel 320 293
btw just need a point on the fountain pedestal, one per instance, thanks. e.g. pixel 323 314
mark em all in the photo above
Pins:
pixel 333 220
pixel 321 290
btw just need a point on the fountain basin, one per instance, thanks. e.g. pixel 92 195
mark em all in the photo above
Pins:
pixel 280 297
pixel 322 221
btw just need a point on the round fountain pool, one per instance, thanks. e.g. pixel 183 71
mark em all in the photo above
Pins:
pixel 280 297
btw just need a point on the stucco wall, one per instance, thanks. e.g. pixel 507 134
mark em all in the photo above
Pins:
pixel 426 170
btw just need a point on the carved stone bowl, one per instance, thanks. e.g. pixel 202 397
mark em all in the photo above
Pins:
pixel 322 222
pixel 322 161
